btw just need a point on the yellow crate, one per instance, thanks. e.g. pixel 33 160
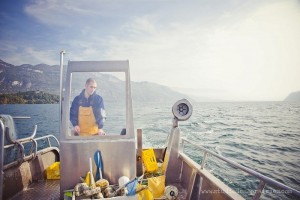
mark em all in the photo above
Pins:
pixel 149 160
pixel 53 171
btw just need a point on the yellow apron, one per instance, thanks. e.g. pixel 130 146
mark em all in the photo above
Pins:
pixel 87 121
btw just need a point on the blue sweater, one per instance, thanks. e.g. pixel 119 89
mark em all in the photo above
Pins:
pixel 94 100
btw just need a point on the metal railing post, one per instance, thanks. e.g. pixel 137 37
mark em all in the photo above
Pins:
pixel 49 142
pixel 1 157
pixel 204 159
pixel 259 190
pixel 180 148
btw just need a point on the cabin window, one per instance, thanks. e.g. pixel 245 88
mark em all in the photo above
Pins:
pixel 111 86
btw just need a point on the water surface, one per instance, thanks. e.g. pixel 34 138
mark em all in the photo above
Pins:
pixel 264 136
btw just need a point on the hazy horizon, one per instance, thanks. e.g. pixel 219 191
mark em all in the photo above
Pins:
pixel 230 50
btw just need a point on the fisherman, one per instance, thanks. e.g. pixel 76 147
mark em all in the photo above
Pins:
pixel 87 112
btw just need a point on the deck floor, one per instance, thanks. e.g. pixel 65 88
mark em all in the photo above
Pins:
pixel 42 190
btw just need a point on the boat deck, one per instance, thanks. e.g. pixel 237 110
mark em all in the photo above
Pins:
pixel 42 190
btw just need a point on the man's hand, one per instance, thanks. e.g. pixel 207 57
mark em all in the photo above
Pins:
pixel 101 132
pixel 77 129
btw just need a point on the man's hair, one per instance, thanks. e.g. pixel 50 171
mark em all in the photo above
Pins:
pixel 90 80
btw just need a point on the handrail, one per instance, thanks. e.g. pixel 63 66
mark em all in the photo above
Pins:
pixel 33 148
pixel 33 151
pixel 263 179
pixel 21 150
pixel 10 140
pixel 21 117
pixel 35 139
pixel 48 139
pixel 27 158
pixel 21 157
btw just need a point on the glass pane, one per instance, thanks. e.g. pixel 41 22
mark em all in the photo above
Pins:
pixel 98 99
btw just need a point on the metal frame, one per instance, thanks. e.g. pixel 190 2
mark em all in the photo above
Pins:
pixel 1 158
pixel 96 66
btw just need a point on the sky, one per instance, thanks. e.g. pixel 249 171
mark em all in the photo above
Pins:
pixel 240 50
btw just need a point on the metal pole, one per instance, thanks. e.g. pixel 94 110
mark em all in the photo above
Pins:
pixel 259 190
pixel 1 158
pixel 60 82
pixel 61 93
pixel 21 117
pixel 204 159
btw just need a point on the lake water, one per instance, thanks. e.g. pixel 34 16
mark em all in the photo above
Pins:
pixel 264 136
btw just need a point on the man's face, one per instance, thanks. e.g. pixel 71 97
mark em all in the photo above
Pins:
pixel 90 88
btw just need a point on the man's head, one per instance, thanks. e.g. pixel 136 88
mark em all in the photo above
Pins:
pixel 90 86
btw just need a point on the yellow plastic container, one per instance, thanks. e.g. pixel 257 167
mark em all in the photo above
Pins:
pixel 149 160
pixel 53 171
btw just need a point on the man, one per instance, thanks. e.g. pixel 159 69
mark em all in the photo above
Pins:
pixel 87 111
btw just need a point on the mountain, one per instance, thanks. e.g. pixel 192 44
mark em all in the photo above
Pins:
pixel 295 96
pixel 146 91
pixel 45 78
pixel 27 77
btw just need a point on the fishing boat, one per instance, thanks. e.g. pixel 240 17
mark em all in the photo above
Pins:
pixel 26 177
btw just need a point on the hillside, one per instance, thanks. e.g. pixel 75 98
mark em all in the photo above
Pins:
pixel 45 78
pixel 31 97
pixel 295 96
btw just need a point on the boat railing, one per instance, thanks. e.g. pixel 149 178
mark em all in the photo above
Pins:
pixel 19 145
pixel 264 180
pixel 21 157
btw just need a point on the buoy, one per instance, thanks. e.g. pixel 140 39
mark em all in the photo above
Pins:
pixel 123 180
pixel 122 191
pixel 171 192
